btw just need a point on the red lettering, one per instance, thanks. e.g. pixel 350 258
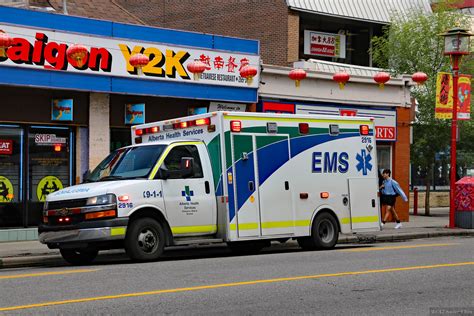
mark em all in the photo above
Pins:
pixel 100 56
pixel 55 55
pixel 38 57
pixel 20 51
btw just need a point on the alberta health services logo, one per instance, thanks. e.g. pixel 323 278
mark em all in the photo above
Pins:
pixel 364 163
pixel 188 207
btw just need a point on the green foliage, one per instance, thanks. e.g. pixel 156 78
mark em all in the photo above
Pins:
pixel 410 44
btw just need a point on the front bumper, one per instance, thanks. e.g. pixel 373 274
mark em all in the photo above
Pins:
pixel 97 231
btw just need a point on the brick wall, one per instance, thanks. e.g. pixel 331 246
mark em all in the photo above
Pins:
pixel 293 36
pixel 99 131
pixel 264 20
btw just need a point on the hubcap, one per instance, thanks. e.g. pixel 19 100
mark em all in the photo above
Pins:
pixel 326 231
pixel 148 240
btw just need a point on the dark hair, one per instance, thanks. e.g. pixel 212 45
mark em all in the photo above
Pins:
pixel 387 171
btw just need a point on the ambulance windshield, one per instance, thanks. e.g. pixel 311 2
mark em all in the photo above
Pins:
pixel 127 163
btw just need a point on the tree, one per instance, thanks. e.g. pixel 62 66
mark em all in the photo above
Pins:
pixel 412 43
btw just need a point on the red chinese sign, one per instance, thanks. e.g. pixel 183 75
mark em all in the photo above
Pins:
pixel 6 147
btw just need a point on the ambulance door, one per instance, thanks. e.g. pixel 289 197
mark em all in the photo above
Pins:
pixel 364 203
pixel 245 186
pixel 274 186
pixel 189 202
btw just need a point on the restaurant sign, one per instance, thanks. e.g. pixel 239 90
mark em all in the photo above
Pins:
pixel 46 50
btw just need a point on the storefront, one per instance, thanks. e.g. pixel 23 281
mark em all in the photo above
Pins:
pixel 61 115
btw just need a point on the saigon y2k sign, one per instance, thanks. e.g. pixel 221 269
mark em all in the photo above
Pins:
pixel 46 50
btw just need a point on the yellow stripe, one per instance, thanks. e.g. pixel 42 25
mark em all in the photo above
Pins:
pixel 193 229
pixel 164 154
pixel 282 119
pixel 224 285
pixel 118 231
pixel 283 224
pixel 361 219
pixel 30 275
pixel 396 247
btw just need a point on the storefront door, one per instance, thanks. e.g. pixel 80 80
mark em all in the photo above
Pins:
pixel 34 161
pixel 11 176
pixel 49 167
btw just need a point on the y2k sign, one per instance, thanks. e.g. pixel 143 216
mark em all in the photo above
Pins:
pixel 46 50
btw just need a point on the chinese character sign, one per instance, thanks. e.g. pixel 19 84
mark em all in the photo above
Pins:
pixel 444 96
pixel 324 44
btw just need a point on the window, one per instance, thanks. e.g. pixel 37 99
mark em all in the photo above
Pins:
pixel 173 161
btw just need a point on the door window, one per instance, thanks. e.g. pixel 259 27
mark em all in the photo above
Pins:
pixel 172 161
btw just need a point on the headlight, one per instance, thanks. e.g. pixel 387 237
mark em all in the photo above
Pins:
pixel 101 199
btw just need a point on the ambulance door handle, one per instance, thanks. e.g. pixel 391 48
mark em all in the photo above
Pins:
pixel 207 187
pixel 251 186
pixel 287 186
pixel 373 202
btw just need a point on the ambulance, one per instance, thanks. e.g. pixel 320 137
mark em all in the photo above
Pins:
pixel 245 179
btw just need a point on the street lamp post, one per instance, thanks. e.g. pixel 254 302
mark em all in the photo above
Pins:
pixel 456 44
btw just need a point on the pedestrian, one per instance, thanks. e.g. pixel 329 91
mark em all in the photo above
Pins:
pixel 390 190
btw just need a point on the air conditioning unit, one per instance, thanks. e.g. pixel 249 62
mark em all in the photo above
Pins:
pixel 14 3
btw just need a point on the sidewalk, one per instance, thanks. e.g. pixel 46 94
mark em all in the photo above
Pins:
pixel 33 253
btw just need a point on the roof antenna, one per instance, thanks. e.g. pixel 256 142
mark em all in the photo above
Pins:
pixel 65 7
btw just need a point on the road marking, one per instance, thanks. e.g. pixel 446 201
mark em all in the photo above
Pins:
pixel 396 247
pixel 216 286
pixel 31 275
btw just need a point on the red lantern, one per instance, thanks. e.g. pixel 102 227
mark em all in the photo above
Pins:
pixel 342 78
pixel 297 75
pixel 5 42
pixel 77 53
pixel 139 61
pixel 419 77
pixel 197 67
pixel 248 72
pixel 381 78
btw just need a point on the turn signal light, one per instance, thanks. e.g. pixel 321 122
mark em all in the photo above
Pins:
pixel 235 126
pixel 364 129
pixel 95 215
pixel 304 128
pixel 324 195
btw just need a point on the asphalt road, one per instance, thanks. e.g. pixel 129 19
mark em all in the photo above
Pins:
pixel 382 279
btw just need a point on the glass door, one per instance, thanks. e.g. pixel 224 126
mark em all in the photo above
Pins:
pixel 49 166
pixel 11 170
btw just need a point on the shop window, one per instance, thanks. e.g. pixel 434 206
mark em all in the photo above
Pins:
pixel 11 188
pixel 384 156
pixel 119 137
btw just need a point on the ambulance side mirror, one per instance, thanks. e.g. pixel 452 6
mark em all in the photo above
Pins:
pixel 163 174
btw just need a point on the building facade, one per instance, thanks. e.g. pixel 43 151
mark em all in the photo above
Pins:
pixel 61 116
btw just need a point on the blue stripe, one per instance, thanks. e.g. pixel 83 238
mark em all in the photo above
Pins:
pixel 86 82
pixel 273 157
pixel 121 30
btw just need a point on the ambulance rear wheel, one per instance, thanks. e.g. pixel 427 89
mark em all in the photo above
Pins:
pixel 145 240
pixel 324 233
pixel 78 257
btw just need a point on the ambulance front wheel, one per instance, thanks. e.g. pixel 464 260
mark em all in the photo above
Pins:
pixel 78 257
pixel 145 239
pixel 324 233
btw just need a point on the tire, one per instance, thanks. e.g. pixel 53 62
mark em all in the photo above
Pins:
pixel 145 240
pixel 324 233
pixel 79 257
pixel 247 247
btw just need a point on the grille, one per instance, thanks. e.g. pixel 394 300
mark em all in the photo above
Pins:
pixel 66 204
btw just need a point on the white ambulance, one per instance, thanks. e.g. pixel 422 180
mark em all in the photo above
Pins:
pixel 241 178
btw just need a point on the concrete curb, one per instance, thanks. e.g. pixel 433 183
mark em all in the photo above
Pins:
pixel 55 258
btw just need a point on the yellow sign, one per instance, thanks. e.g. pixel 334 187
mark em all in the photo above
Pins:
pixel 47 185
pixel 444 96
pixel 6 190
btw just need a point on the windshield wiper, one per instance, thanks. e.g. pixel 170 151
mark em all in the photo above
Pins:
pixel 107 178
